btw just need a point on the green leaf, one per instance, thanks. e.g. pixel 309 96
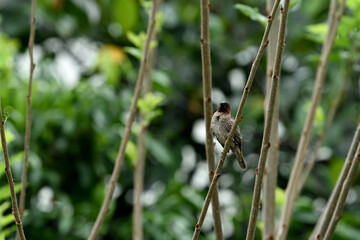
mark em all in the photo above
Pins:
pixel 126 13
pixel 252 13
pixel 136 39
pixel 5 191
pixel 135 52
pixel 7 112
pixel 149 106
pixel 131 152
pixel 7 219
pixel 5 205
pixel 280 196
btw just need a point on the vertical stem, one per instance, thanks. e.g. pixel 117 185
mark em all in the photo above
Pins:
pixel 208 110
pixel 139 170
pixel 323 222
pixel 330 117
pixel 238 117
pixel 120 157
pixel 342 197
pixel 28 112
pixel 10 179
pixel 270 177
pixel 268 122
pixel 292 187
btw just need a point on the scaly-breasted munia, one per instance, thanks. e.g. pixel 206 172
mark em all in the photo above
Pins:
pixel 221 124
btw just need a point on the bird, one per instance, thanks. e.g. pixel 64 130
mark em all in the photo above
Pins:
pixel 221 124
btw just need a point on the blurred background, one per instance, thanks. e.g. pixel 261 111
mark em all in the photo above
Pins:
pixel 87 58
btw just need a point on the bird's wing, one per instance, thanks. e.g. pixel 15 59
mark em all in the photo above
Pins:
pixel 237 134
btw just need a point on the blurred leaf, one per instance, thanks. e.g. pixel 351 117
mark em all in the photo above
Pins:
pixel 136 39
pixel 159 21
pixel 131 152
pixel 5 191
pixel 135 52
pixel 126 12
pixel 110 60
pixel 252 13
pixel 18 157
pixel 335 168
pixel 149 106
pixel 159 150
pixel 280 196
pixel 7 112
pixel 7 219
pixel 5 205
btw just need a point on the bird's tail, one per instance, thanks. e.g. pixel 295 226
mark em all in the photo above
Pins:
pixel 239 156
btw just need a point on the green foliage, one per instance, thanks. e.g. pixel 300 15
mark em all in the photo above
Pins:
pixel 131 153
pixel 149 106
pixel 87 57
pixel 7 112
pixel 126 13
pixel 252 13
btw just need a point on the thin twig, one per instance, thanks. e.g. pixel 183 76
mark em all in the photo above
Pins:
pixel 10 178
pixel 344 192
pixel 120 157
pixel 28 113
pixel 330 117
pixel 268 121
pixel 292 187
pixel 270 177
pixel 323 222
pixel 208 110
pixel 140 164
pixel 238 117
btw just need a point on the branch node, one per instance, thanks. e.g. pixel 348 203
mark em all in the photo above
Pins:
pixel 268 144
pixel 197 226
pixel 257 171
pixel 267 43
pixel 209 4
pixel 202 40
pixel 209 99
pixel 282 9
pixel 218 175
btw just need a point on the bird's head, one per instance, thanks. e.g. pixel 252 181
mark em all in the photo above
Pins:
pixel 224 107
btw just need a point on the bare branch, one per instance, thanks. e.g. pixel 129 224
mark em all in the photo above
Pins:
pixel 10 178
pixel 324 220
pixel 330 117
pixel 268 122
pixel 28 112
pixel 270 177
pixel 343 194
pixel 120 157
pixel 238 118
pixel 208 110
pixel 292 187
pixel 140 165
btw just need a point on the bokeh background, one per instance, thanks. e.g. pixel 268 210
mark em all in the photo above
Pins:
pixel 86 55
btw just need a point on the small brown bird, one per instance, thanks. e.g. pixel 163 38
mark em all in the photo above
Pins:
pixel 221 124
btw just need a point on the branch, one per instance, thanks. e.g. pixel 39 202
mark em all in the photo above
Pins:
pixel 28 112
pixel 292 187
pixel 208 111
pixel 344 192
pixel 120 156
pixel 330 117
pixel 238 118
pixel 270 177
pixel 140 165
pixel 10 178
pixel 268 122
pixel 324 220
